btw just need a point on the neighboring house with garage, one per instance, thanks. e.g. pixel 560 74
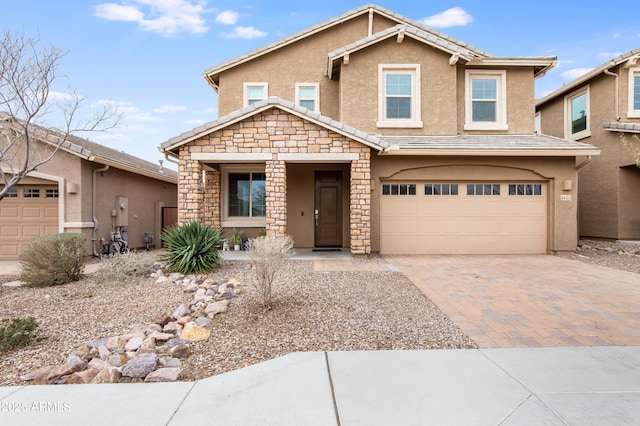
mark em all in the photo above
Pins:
pixel 373 133
pixel 85 188
pixel 597 109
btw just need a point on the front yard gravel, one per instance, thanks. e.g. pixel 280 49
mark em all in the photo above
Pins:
pixel 313 311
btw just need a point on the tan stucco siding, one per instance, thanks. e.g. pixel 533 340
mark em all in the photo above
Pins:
pixel 561 218
pixel 359 87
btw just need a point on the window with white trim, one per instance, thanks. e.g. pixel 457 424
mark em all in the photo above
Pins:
pixel 308 96
pixel 634 93
pixel 485 100
pixel 399 95
pixel 255 92
pixel 576 110
pixel 244 196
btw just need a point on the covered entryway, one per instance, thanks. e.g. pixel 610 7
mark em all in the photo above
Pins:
pixel 28 211
pixel 328 208
pixel 463 217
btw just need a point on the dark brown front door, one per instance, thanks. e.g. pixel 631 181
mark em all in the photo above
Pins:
pixel 328 208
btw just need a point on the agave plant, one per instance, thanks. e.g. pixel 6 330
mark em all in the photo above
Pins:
pixel 192 248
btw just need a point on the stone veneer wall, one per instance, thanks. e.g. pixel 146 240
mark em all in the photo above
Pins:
pixel 277 132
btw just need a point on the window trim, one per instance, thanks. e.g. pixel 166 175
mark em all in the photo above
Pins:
pixel 316 87
pixel 245 91
pixel 235 221
pixel 537 123
pixel 416 114
pixel 632 112
pixel 501 100
pixel 567 114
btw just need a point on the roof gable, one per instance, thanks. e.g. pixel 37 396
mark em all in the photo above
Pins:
pixel 256 108
pixel 444 39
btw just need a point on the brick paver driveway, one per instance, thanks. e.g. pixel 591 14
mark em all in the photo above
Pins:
pixel 521 301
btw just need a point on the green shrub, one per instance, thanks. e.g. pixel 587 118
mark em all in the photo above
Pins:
pixel 52 260
pixel 17 332
pixel 120 266
pixel 192 248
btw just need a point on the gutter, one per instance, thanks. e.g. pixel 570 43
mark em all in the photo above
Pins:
pixel 584 163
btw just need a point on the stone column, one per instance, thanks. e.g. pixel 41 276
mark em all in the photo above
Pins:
pixel 190 188
pixel 360 204
pixel 212 196
pixel 276 203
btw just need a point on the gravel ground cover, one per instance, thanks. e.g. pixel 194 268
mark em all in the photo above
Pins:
pixel 314 311
pixel 623 256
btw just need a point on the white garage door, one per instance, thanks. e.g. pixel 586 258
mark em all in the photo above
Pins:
pixel 27 212
pixel 463 218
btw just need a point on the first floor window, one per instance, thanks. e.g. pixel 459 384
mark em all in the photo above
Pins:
pixel 577 115
pixel 247 194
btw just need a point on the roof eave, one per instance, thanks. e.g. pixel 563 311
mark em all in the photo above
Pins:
pixel 484 152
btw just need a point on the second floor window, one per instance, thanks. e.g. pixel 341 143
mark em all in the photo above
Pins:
pixel 308 96
pixel 577 114
pixel 399 96
pixel 634 93
pixel 485 104
pixel 255 92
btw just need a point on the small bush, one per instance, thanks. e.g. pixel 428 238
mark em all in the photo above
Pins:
pixel 52 260
pixel 192 248
pixel 17 332
pixel 267 256
pixel 120 266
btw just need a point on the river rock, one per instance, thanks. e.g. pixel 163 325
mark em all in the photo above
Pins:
pixel 194 333
pixel 169 374
pixel 140 366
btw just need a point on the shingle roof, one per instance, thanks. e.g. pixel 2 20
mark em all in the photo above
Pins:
pixel 95 152
pixel 444 38
pixel 271 102
pixel 617 126
pixel 544 144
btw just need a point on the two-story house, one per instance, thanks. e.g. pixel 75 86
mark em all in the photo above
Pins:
pixel 374 133
pixel 600 108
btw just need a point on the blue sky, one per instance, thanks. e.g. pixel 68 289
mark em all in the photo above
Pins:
pixel 147 56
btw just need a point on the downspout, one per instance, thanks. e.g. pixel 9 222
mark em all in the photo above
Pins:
pixel 615 93
pixel 93 208
pixel 171 160
pixel 584 163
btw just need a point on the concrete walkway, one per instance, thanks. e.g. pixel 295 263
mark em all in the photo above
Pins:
pixel 530 301
pixel 529 386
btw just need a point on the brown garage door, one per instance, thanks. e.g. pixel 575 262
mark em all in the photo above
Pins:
pixel 463 217
pixel 28 211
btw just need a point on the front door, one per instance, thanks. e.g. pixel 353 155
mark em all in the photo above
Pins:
pixel 328 208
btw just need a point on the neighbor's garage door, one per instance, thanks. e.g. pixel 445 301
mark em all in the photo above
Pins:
pixel 27 211
pixel 463 217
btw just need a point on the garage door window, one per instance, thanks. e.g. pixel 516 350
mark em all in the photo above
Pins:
pixel 399 189
pixel 31 193
pixel 525 189
pixel 12 193
pixel 51 193
pixel 440 189
pixel 483 189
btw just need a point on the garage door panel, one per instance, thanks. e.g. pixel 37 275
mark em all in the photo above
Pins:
pixel 9 230
pixel 9 212
pixel 464 223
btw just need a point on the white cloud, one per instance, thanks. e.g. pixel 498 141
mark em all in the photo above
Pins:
pixel 61 97
pixel 227 17
pixel 170 108
pixel 211 110
pixel 194 122
pixel 122 107
pixel 574 73
pixel 617 35
pixel 245 32
pixel 164 17
pixel 117 12
pixel 143 117
pixel 453 17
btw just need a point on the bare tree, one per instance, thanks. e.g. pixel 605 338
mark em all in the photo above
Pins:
pixel 27 75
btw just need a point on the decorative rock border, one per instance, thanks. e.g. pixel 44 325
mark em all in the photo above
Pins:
pixel 151 353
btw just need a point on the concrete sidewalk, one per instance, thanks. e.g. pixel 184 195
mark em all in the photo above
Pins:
pixel 541 386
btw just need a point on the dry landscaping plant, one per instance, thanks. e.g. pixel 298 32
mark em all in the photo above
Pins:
pixel 52 260
pixel 192 248
pixel 120 266
pixel 268 255
pixel 17 332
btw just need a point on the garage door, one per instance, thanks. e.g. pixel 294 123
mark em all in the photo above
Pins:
pixel 463 217
pixel 27 212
